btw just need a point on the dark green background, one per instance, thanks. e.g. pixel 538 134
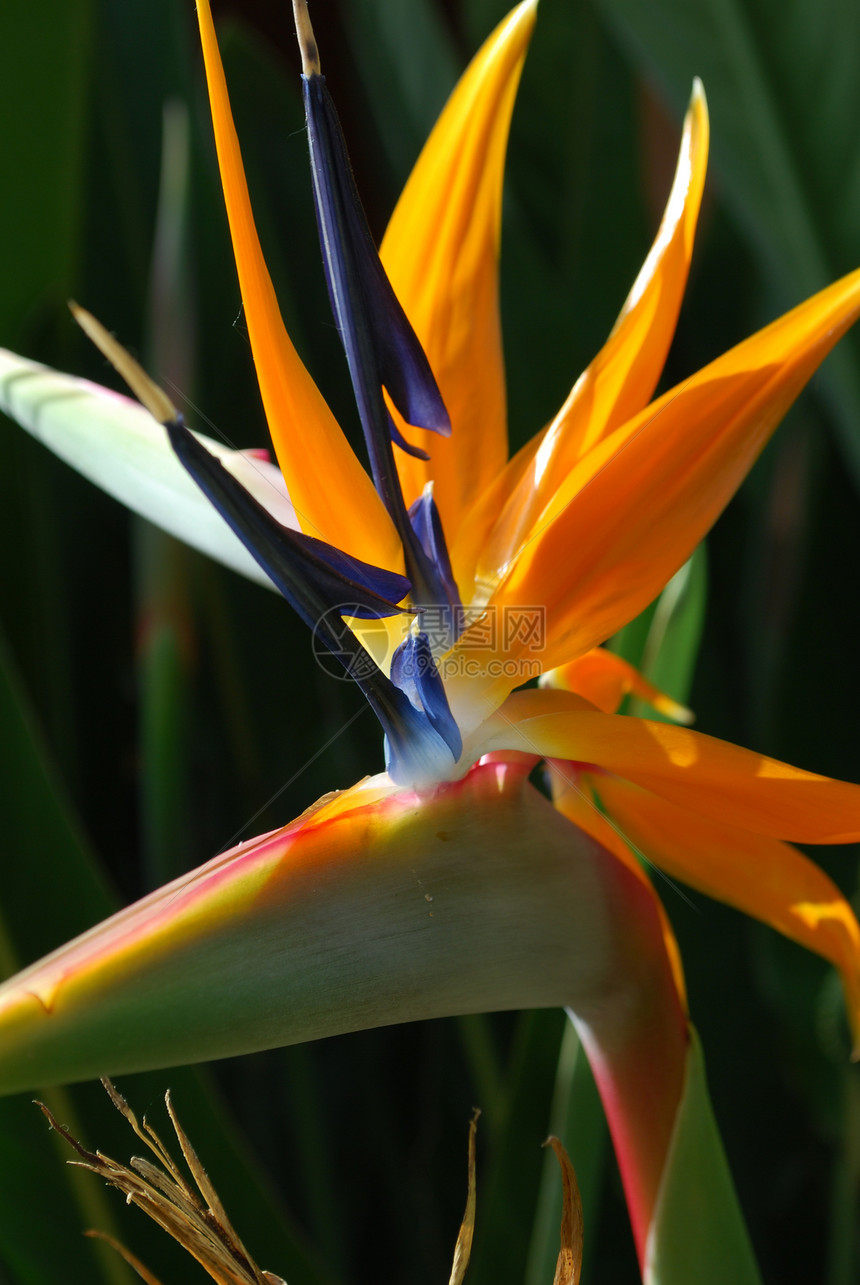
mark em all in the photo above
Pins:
pixel 152 705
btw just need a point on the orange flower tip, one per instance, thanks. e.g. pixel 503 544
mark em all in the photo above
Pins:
pixel 145 389
pixel 307 40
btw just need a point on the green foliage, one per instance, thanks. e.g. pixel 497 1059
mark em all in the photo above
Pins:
pixel 154 738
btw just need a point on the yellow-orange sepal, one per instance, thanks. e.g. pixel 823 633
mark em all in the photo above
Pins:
pixel 605 679
pixel 333 496
pixel 636 505
pixel 623 375
pixel 441 253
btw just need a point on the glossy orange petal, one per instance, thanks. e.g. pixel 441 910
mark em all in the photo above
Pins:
pixel 761 876
pixel 637 504
pixel 441 252
pixel 333 497
pixel 624 374
pixel 573 796
pixel 719 780
pixel 605 679
pixel 475 530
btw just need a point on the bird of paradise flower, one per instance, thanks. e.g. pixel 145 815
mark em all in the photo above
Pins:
pixel 448 884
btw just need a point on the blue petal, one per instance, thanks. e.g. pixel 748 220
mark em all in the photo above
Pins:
pixel 317 580
pixel 415 754
pixel 444 615
pixel 313 576
pixel 361 295
pixel 414 671
pixel 399 440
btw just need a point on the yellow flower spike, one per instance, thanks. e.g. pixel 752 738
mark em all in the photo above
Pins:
pixel 441 253
pixel 333 496
pixel 624 374
pixel 636 505
pixel 605 679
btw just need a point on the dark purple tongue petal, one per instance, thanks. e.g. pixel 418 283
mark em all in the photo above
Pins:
pixel 414 671
pixel 371 321
pixel 427 525
pixel 313 576
pixel 317 580
pixel 381 347
pixel 399 440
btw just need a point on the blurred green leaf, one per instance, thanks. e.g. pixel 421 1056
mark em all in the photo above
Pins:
pixel 409 68
pixel 697 1206
pixel 789 173
pixel 51 891
pixel 507 1192
pixel 46 54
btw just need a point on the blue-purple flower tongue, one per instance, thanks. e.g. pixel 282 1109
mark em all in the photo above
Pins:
pixel 317 580
pixel 414 671
pixel 382 350
pixel 321 583
pixel 313 576
pixel 427 525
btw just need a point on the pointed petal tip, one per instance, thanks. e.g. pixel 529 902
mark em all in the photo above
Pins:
pixel 145 389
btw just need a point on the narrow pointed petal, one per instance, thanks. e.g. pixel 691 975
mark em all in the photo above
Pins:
pixel 474 532
pixel 637 504
pixel 117 444
pixel 761 876
pixel 605 679
pixel 722 781
pixel 624 374
pixel 381 347
pixel 334 498
pixel 414 671
pixel 441 254
pixel 427 525
pixel 314 577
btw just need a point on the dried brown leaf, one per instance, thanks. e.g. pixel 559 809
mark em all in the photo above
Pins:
pixel 203 1229
pixel 463 1247
pixel 569 1264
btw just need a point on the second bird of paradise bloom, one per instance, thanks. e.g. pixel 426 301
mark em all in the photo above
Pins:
pixel 444 580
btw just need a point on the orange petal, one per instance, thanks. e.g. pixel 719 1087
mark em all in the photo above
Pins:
pixel 479 521
pixel 441 252
pixel 719 780
pixel 759 875
pixel 333 496
pixel 573 796
pixel 636 505
pixel 605 679
pixel 624 374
